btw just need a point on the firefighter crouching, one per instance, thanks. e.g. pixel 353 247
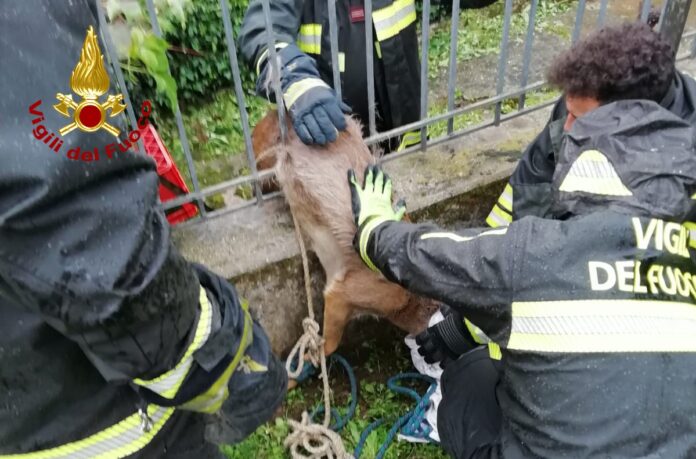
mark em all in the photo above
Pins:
pixel 621 62
pixel 594 312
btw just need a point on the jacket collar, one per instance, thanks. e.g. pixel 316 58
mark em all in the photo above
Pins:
pixel 631 156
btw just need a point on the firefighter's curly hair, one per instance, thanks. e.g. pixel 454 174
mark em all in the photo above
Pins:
pixel 629 61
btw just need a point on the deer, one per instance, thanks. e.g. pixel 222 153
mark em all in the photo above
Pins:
pixel 314 182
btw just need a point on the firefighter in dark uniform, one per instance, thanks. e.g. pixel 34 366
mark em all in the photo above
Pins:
pixel 594 312
pixel 301 29
pixel 628 61
pixel 635 77
pixel 111 344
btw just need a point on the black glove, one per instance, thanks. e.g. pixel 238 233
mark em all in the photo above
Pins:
pixel 446 340
pixel 317 114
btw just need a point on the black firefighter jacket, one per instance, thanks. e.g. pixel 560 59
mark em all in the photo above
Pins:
pixel 396 63
pixel 595 313
pixel 100 316
pixel 529 189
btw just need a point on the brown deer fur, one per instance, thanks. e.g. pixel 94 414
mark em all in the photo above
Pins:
pixel 314 182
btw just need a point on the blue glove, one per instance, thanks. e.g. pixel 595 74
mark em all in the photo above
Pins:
pixel 316 112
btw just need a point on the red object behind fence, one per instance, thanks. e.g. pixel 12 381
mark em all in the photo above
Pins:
pixel 171 184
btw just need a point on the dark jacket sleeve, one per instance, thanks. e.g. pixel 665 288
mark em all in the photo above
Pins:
pixel 471 271
pixel 85 245
pixel 253 39
pixel 529 189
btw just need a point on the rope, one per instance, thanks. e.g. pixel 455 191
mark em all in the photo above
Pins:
pixel 341 421
pixel 317 440
pixel 410 423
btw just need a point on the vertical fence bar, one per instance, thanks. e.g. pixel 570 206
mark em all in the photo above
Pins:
pixel 452 78
pixel 179 120
pixel 673 21
pixel 502 61
pixel 645 10
pixel 528 45
pixel 370 62
pixel 112 54
pixel 275 69
pixel 333 36
pixel 602 17
pixel 241 102
pixel 579 16
pixel 425 45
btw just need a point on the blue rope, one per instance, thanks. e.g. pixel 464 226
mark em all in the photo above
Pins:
pixel 411 423
pixel 341 421
pixel 308 370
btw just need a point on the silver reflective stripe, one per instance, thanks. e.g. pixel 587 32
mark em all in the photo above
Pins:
pixel 603 326
pixel 309 39
pixel 167 385
pixel 458 238
pixel 476 333
pixel 393 19
pixel 496 219
pixel 505 199
pixel 115 442
pixel 593 173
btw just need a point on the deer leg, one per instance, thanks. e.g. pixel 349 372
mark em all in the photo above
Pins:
pixel 337 313
pixel 371 292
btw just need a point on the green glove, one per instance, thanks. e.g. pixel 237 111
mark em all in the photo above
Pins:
pixel 372 205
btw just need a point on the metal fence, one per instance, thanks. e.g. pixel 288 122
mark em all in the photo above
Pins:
pixel 672 24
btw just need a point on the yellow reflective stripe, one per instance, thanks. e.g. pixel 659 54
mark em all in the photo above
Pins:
pixel 480 337
pixel 408 139
pixel 593 173
pixel 603 326
pixel 494 351
pixel 476 333
pixel 498 217
pixel 342 62
pixel 309 39
pixel 494 222
pixel 394 18
pixel 691 226
pixel 364 239
pixel 168 384
pixel 297 89
pixel 378 49
pixel 505 200
pixel 458 238
pixel 264 55
pixel 212 399
pixel 118 441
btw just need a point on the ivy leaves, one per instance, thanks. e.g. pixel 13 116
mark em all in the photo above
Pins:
pixel 152 52
pixel 143 52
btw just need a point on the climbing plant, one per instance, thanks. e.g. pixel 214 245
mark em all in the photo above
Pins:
pixel 190 61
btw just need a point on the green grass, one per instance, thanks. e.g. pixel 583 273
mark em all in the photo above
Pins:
pixel 374 362
pixel 480 115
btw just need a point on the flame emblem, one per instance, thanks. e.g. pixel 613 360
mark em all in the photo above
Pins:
pixel 89 80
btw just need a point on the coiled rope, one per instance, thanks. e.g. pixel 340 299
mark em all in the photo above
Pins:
pixel 307 439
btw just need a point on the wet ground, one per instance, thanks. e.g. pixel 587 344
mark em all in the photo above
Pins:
pixel 477 77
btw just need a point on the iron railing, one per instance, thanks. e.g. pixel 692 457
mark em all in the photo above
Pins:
pixel 672 24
